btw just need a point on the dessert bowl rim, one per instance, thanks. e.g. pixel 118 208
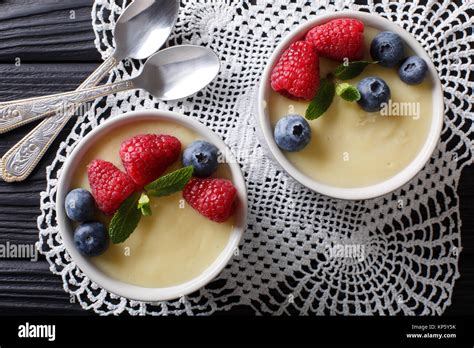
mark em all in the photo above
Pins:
pixel 118 287
pixel 389 185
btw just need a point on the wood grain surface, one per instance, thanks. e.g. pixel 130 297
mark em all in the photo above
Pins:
pixel 57 54
pixel 47 30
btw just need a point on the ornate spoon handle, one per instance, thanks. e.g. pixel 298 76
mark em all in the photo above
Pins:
pixel 18 163
pixel 16 113
pixel 32 109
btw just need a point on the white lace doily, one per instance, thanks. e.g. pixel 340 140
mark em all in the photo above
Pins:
pixel 410 239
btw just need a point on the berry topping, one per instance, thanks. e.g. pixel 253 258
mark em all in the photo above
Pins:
pixel 91 238
pixel 374 93
pixel 413 70
pixel 296 74
pixel 292 133
pixel 146 157
pixel 213 198
pixel 110 187
pixel 79 205
pixel 387 48
pixel 339 39
pixel 202 156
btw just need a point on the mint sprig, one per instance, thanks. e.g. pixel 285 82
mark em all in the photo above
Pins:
pixel 170 183
pixel 321 101
pixel 347 71
pixel 125 219
pixel 347 92
pixel 325 95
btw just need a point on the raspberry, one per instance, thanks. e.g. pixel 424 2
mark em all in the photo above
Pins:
pixel 213 198
pixel 110 187
pixel 338 39
pixel 146 157
pixel 296 74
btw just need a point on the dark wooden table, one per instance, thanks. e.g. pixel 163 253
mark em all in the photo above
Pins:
pixel 57 53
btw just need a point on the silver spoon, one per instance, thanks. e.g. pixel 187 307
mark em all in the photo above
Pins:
pixel 170 74
pixel 140 31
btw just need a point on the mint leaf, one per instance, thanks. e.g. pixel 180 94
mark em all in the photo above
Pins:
pixel 321 101
pixel 125 219
pixel 144 205
pixel 347 92
pixel 350 70
pixel 170 183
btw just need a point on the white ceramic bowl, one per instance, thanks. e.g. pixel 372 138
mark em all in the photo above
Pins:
pixel 378 189
pixel 132 291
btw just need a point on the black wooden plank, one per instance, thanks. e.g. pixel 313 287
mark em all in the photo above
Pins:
pixel 32 80
pixel 20 8
pixel 29 287
pixel 34 289
pixel 48 31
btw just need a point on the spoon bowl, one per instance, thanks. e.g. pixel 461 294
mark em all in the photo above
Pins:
pixel 144 27
pixel 177 72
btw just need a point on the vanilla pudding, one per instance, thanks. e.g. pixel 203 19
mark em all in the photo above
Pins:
pixel 352 148
pixel 174 245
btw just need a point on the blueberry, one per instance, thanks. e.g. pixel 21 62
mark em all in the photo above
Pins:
pixel 413 70
pixel 374 92
pixel 91 238
pixel 79 205
pixel 292 133
pixel 387 49
pixel 202 156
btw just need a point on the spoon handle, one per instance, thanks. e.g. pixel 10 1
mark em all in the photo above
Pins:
pixel 28 110
pixel 16 113
pixel 18 163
